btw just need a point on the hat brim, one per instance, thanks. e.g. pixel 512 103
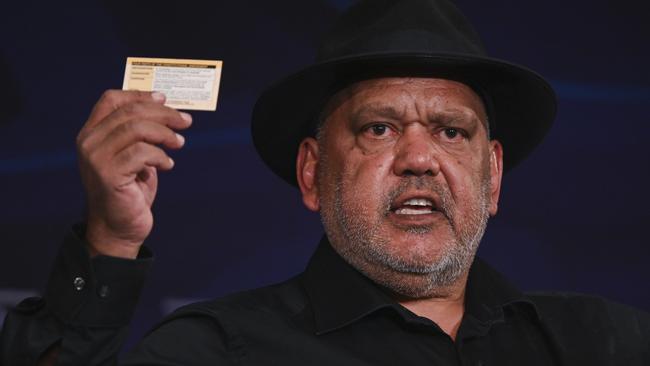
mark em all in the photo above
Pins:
pixel 521 104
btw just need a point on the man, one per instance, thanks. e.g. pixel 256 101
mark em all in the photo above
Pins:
pixel 399 136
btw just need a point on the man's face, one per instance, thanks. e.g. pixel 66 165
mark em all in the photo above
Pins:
pixel 405 179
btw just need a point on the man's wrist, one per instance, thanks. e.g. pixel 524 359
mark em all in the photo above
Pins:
pixel 113 250
pixel 102 291
pixel 100 241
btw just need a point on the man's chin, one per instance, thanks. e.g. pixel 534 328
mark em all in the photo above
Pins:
pixel 426 241
pixel 411 264
pixel 411 278
pixel 414 252
pixel 415 263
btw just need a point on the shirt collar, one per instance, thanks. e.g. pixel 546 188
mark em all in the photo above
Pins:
pixel 487 294
pixel 340 295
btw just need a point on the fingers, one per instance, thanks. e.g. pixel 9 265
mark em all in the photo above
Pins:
pixel 134 112
pixel 129 118
pixel 146 110
pixel 148 131
pixel 112 100
pixel 135 158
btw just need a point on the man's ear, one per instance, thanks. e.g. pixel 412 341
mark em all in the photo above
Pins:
pixel 306 173
pixel 496 173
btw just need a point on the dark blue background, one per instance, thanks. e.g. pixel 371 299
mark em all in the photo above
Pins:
pixel 572 217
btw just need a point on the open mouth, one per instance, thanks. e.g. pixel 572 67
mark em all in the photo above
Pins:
pixel 415 206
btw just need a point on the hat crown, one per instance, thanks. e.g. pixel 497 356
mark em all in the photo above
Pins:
pixel 400 26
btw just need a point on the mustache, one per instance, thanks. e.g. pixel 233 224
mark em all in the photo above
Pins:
pixel 422 183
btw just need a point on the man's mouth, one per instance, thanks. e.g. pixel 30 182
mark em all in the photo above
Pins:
pixel 415 206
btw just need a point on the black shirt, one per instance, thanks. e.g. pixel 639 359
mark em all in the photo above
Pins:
pixel 329 315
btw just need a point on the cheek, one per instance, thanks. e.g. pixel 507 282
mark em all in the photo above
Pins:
pixel 366 174
pixel 463 175
pixel 368 167
pixel 370 147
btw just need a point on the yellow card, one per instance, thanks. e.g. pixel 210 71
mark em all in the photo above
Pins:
pixel 188 84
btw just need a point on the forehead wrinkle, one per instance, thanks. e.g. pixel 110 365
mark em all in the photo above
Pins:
pixel 465 103
pixel 379 109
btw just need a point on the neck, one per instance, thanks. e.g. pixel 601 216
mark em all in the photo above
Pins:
pixel 446 308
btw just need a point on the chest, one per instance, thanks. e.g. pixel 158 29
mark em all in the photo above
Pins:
pixel 383 341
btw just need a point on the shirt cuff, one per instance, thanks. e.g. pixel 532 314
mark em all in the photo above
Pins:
pixel 98 291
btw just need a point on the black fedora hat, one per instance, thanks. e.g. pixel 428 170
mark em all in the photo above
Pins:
pixel 417 38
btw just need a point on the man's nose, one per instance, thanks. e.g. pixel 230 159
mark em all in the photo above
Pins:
pixel 415 154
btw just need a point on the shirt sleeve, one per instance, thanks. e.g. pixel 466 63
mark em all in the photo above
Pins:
pixel 86 309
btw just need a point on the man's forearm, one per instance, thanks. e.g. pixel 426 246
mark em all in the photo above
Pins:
pixel 83 318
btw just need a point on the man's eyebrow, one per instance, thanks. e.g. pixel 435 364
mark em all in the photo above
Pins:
pixel 377 110
pixel 454 116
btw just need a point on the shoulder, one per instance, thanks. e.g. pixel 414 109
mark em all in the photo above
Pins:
pixel 285 298
pixel 222 330
pixel 238 313
pixel 583 307
pixel 577 320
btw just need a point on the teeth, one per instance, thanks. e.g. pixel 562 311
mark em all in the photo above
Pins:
pixel 411 211
pixel 418 202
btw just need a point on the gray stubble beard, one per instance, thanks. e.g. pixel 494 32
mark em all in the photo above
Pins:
pixel 360 243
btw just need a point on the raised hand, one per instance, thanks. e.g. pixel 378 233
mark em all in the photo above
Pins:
pixel 120 153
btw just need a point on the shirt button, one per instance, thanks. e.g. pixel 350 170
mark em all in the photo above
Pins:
pixel 103 291
pixel 79 283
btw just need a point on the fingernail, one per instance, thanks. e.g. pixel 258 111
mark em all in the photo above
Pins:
pixel 180 139
pixel 158 96
pixel 186 116
pixel 171 161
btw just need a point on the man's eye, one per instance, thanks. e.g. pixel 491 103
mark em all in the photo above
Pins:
pixel 452 133
pixel 378 130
